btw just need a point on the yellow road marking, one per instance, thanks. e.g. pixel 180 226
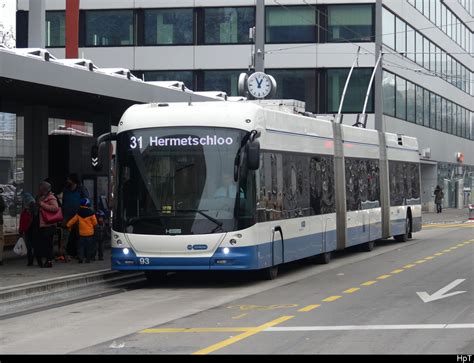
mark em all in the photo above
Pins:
pixel 239 316
pixel 383 277
pixel 429 257
pixel 453 248
pixel 309 308
pixel 196 330
pixel 409 266
pixel 439 254
pixel 351 290
pixel 243 336
pixel 368 283
pixel 420 261
pixel 460 245
pixel 396 271
pixel 332 298
pixel 446 251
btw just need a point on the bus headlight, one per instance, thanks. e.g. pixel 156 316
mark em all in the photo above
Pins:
pixel 126 251
pixel 226 250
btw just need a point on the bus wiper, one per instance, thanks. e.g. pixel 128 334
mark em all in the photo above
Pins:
pixel 134 220
pixel 201 212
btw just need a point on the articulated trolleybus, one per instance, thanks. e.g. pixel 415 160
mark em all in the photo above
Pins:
pixel 247 186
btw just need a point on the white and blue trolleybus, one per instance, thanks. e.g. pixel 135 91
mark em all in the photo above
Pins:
pixel 253 185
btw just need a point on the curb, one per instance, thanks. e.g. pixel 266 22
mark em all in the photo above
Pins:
pixel 63 288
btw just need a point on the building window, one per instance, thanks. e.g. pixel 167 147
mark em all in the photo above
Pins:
pixel 401 98
pixel 55 29
pixel 228 25
pixel 12 128
pixel 426 108
pixel 160 76
pixel 419 105
pixel 169 26
pixel 109 28
pixel 299 84
pixel 450 125
pixel 388 28
pixel 225 81
pixel 350 22
pixel 419 49
pixel 401 34
pixel 388 89
pixel 410 43
pixel 293 24
pixel 434 120
pixel 411 106
pixel 426 53
pixel 444 115
pixel 356 91
pixel 439 114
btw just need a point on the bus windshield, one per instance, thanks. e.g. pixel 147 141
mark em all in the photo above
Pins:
pixel 181 180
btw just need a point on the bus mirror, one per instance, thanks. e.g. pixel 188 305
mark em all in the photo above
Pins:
pixel 253 155
pixel 97 147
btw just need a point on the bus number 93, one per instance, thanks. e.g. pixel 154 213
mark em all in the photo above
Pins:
pixel 144 261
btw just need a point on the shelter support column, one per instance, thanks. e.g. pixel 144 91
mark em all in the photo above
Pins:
pixel 36 146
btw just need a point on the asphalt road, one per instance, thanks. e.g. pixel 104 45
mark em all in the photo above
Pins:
pixel 360 303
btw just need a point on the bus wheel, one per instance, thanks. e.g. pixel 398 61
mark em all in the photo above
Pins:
pixel 404 237
pixel 155 276
pixel 270 273
pixel 323 258
pixel 368 246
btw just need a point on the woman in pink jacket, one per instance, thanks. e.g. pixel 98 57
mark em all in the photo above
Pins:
pixel 47 201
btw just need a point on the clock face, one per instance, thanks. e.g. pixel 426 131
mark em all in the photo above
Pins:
pixel 259 85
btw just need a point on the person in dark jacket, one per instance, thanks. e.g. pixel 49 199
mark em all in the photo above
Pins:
pixel 72 194
pixel 2 238
pixel 86 220
pixel 439 195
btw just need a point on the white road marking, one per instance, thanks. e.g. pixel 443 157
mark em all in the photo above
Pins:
pixel 441 293
pixel 369 327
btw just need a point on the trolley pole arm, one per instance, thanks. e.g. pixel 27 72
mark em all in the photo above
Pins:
pixel 363 116
pixel 356 60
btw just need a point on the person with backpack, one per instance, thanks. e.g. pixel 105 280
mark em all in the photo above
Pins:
pixel 86 220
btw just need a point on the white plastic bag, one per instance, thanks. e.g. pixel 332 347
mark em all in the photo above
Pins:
pixel 20 247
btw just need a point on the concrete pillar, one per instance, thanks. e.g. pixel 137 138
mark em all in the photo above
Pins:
pixel 37 24
pixel 36 146
pixel 429 180
pixel 378 96
pixel 260 37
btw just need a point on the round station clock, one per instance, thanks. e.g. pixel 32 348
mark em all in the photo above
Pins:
pixel 259 85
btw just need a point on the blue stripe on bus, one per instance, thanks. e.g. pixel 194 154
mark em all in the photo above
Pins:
pixel 241 258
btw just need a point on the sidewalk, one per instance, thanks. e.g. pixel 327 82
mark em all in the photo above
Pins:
pixel 15 272
pixel 449 215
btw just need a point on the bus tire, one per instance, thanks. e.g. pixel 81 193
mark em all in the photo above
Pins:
pixel 404 237
pixel 270 273
pixel 155 276
pixel 323 258
pixel 367 247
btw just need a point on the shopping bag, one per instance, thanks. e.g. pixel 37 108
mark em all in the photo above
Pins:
pixel 20 247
